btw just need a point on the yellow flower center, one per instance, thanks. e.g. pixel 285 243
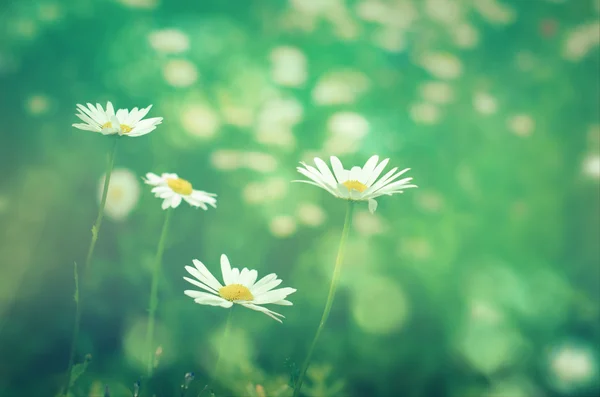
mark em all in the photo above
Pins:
pixel 180 186
pixel 125 129
pixel 116 193
pixel 235 292
pixel 108 124
pixel 356 185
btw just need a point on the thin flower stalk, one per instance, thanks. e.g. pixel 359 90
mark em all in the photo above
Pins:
pixel 332 290
pixel 223 342
pixel 88 261
pixel 153 304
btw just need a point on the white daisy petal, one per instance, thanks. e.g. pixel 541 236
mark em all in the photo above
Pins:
pixel 175 201
pixel 355 174
pixel 110 110
pixel 165 194
pixel 153 179
pixel 390 192
pixel 316 184
pixel 122 114
pixel 368 168
pixel 283 302
pixel 338 169
pixel 268 312
pixel 166 204
pixel 226 269
pixel 316 179
pixel 397 184
pixel 376 172
pixel 86 127
pixel 383 180
pixel 130 117
pixel 324 169
pixel 235 276
pixel 159 191
pixel 244 276
pixel 86 119
pixel 214 301
pixel 86 111
pixel 265 280
pixel 211 280
pixel 251 278
pixel 372 206
pixel 141 114
pixel 195 203
pixel 273 296
pixel 355 195
pixel 317 174
pixel 91 112
pixel 343 191
pixel 386 180
pixel 199 294
pixel 198 284
pixel 204 197
pixel 257 291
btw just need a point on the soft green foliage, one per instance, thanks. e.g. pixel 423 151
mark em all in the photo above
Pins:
pixel 322 386
pixel 482 282
pixel 78 370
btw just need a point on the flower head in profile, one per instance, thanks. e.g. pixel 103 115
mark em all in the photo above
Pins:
pixel 123 122
pixel 123 193
pixel 356 184
pixel 173 190
pixel 239 286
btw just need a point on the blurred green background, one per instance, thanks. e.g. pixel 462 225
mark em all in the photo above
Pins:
pixel 484 281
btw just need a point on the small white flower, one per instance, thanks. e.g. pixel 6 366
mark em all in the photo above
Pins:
pixel 356 184
pixel 240 287
pixel 123 193
pixel 173 189
pixel 96 118
pixel 132 123
pixel 123 122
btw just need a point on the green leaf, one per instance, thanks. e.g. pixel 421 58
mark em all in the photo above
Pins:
pixel 79 369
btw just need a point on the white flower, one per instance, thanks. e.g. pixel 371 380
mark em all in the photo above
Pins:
pixel 572 365
pixel 240 287
pixel 96 118
pixel 173 189
pixel 123 193
pixel 107 122
pixel 169 41
pixel 356 184
pixel 132 123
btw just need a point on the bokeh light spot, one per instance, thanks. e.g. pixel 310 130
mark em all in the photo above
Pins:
pixel 379 305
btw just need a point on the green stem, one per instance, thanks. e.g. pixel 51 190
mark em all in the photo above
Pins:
pixel 154 293
pixel 88 260
pixel 332 288
pixel 223 341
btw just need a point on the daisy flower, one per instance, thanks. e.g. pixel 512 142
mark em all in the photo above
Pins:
pixel 173 189
pixel 356 184
pixel 131 123
pixel 96 119
pixel 239 287
pixel 123 193
pixel 123 122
